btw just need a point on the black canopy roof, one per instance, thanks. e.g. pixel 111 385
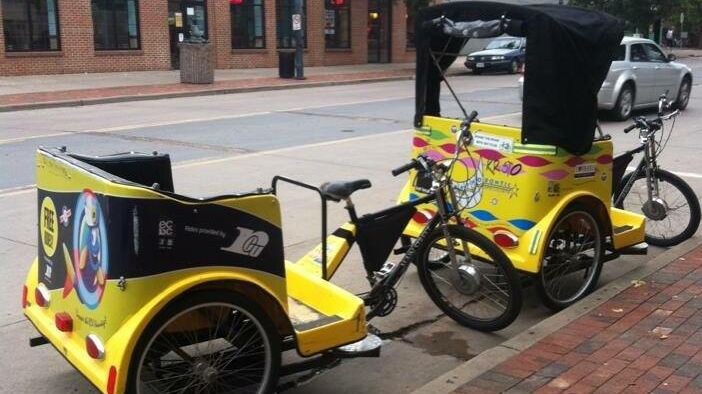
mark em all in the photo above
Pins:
pixel 569 52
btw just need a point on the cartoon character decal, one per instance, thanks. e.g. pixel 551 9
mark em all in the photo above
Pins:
pixel 87 266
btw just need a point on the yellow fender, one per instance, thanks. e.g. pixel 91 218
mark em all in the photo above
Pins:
pixel 529 254
pixel 128 335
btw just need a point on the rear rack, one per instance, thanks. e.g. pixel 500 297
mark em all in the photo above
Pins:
pixel 274 186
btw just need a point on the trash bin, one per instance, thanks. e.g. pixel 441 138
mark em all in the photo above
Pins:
pixel 196 63
pixel 286 64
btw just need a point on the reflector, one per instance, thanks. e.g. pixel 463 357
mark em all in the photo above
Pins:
pixel 42 296
pixel 506 239
pixel 24 296
pixel 64 322
pixel 111 380
pixel 94 347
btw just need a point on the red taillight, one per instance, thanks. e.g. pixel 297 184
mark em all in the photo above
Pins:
pixel 24 296
pixel 42 296
pixel 505 239
pixel 94 347
pixel 64 322
pixel 111 380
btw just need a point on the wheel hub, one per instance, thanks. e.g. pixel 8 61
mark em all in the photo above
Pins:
pixel 655 209
pixel 469 279
pixel 206 372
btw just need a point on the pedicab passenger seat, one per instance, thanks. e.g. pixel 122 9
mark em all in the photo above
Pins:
pixel 144 169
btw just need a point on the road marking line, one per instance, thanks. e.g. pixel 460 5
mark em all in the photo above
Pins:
pixel 186 121
pixel 216 118
pixel 197 163
pixel 130 127
pixel 13 191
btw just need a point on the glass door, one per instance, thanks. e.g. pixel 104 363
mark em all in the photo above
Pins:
pixel 379 30
pixel 187 21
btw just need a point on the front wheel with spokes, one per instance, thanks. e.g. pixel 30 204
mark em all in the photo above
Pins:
pixel 480 289
pixel 572 259
pixel 671 217
pixel 207 342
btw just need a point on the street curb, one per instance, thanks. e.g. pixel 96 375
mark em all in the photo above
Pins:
pixel 160 96
pixel 490 358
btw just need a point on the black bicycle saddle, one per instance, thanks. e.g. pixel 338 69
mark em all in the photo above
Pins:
pixel 337 191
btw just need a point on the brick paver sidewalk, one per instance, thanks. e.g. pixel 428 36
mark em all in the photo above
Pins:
pixel 125 93
pixel 646 338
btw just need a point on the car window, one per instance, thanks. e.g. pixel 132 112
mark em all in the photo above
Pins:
pixel 620 55
pixel 504 44
pixel 638 54
pixel 654 54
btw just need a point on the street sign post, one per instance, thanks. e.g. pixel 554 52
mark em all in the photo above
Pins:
pixel 298 32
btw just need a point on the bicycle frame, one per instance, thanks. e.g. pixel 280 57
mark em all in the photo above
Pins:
pixel 389 274
pixel 648 163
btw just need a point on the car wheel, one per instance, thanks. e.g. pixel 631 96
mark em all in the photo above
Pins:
pixel 514 67
pixel 684 93
pixel 625 103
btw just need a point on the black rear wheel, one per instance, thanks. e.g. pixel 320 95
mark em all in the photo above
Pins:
pixel 481 290
pixel 572 260
pixel 207 342
pixel 671 218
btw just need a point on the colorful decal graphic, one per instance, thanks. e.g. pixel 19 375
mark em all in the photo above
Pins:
pixel 48 226
pixel 65 216
pixel 506 185
pixel 86 267
pixel 470 193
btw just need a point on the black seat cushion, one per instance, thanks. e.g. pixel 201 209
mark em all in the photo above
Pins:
pixel 144 169
pixel 338 191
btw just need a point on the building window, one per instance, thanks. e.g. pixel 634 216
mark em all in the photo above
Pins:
pixel 410 29
pixel 337 24
pixel 115 24
pixel 284 12
pixel 30 25
pixel 248 25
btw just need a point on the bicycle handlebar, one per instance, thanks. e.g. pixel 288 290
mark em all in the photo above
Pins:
pixel 409 166
pixel 628 129
pixel 426 163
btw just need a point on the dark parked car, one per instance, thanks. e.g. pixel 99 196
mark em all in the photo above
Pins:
pixel 502 54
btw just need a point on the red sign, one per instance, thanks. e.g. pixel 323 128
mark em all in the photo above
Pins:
pixel 236 2
pixel 337 3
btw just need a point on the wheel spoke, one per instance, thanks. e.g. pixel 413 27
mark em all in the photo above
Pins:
pixel 213 347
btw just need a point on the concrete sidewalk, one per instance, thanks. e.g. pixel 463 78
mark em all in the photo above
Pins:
pixel 642 333
pixel 683 53
pixel 44 91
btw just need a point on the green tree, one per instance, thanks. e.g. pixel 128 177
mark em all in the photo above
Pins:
pixel 639 14
pixel 693 19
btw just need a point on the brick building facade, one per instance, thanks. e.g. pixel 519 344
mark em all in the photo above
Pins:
pixel 74 36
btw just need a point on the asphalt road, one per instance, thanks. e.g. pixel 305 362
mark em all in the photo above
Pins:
pixel 224 144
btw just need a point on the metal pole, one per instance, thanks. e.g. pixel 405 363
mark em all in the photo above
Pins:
pixel 299 43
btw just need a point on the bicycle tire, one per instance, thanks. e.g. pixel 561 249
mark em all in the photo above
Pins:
pixel 545 286
pixel 260 321
pixel 497 258
pixel 691 198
